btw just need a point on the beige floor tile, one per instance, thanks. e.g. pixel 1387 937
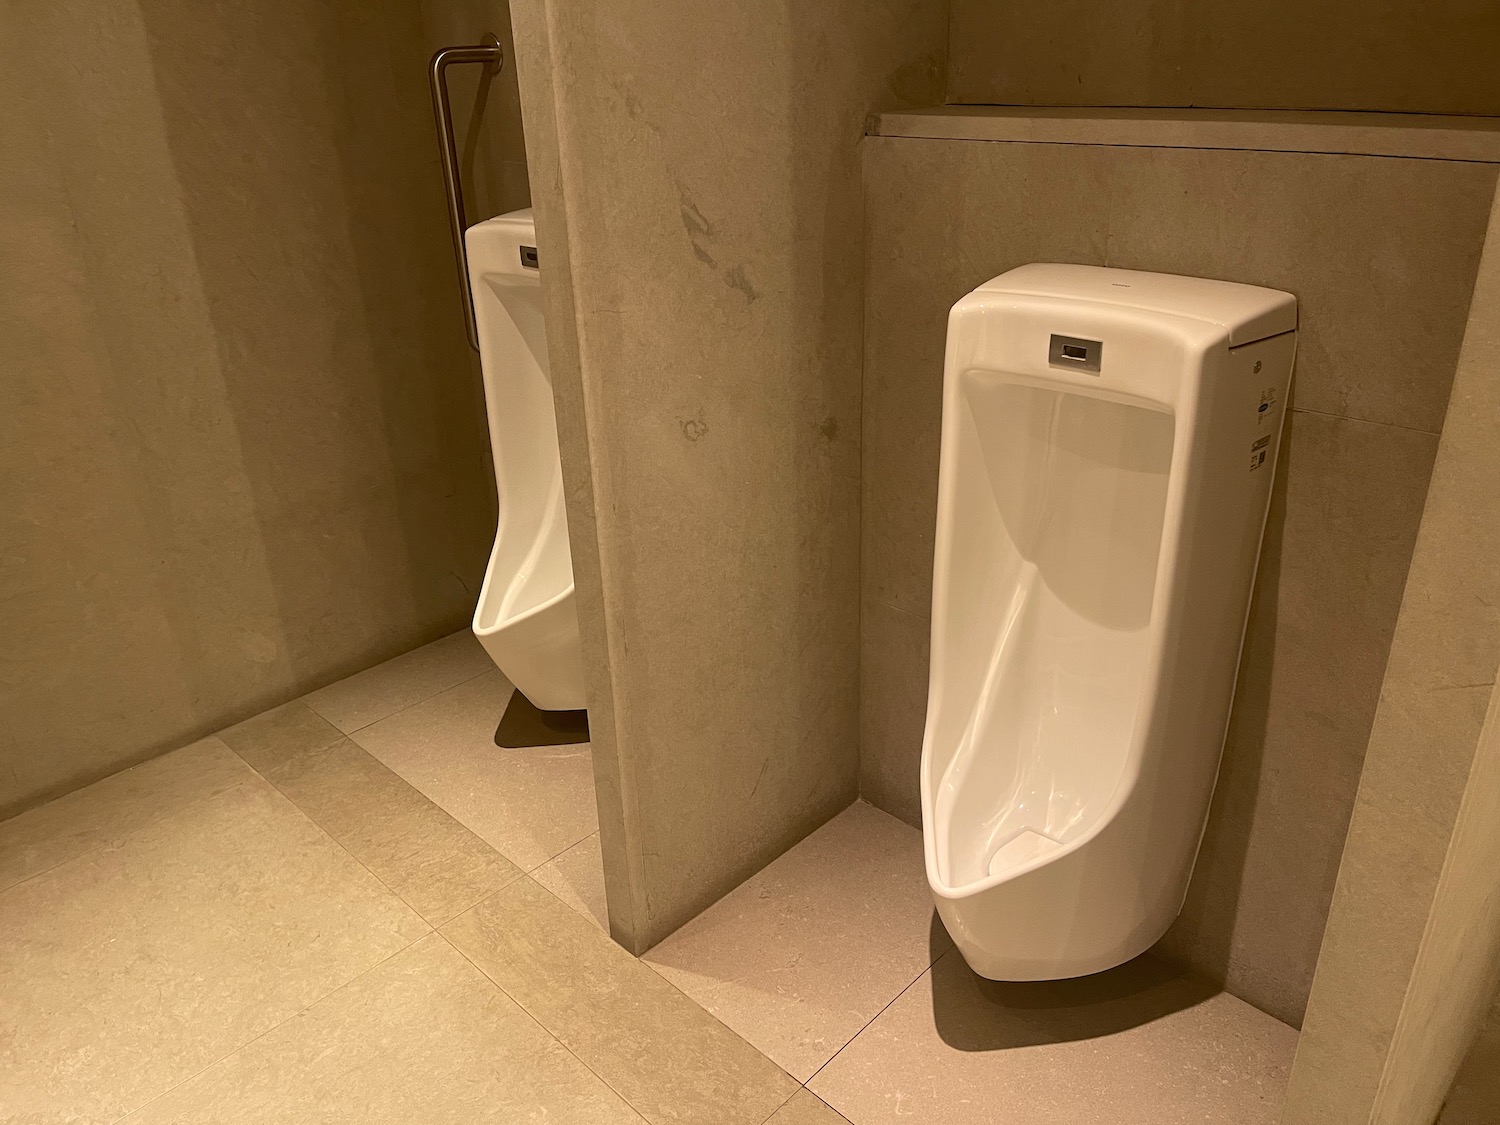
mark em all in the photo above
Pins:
pixel 577 877
pixel 102 814
pixel 529 804
pixel 131 968
pixel 381 691
pixel 666 1056
pixel 806 1108
pixel 423 1038
pixel 416 849
pixel 1143 1045
pixel 280 734
pixel 805 953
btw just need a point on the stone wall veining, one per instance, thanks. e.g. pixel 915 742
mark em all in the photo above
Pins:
pixel 707 188
pixel 241 441
pixel 1381 254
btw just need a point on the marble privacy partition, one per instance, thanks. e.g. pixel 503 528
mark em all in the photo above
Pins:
pixel 1412 950
pixel 1381 254
pixel 1474 1097
pixel 696 177
pixel 613 788
pixel 242 445
pixel 1413 57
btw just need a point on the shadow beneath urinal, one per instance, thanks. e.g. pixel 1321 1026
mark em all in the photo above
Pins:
pixel 975 1014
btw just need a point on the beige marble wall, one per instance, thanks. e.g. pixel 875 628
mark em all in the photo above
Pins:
pixel 707 176
pixel 1381 254
pixel 1408 57
pixel 240 438
pixel 1412 948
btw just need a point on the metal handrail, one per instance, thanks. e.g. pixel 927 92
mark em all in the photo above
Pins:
pixel 488 52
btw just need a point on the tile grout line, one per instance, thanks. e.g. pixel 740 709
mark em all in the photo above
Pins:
pixel 549 859
pixel 349 735
pixel 339 843
pixel 1183 147
pixel 639 961
pixel 424 796
pixel 520 871
pixel 907 988
pixel 545 1030
pixel 1363 421
pixel 280 1023
pixel 899 993
pixel 712 1015
pixel 307 700
pixel 437 928
pixel 530 873
pixel 786 1103
pixel 256 776
pixel 397 895
pixel 43 871
pixel 141 828
pixel 432 928
pixel 924 618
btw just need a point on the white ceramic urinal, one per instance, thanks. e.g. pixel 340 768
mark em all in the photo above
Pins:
pixel 1109 439
pixel 526 618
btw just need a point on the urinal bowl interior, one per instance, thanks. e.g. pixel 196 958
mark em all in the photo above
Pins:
pixel 1037 735
pixel 1064 496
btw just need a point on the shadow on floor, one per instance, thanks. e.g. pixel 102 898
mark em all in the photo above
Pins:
pixel 974 1014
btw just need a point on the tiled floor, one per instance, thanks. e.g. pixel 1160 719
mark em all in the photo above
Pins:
pixel 355 908
pixel 773 959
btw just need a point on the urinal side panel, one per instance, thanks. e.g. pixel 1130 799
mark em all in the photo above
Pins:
pixel 1240 403
pixel 1244 403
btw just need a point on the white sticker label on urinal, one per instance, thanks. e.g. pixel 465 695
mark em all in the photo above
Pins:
pixel 1258 450
pixel 1267 405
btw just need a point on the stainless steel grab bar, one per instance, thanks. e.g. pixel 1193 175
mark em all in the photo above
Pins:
pixel 488 52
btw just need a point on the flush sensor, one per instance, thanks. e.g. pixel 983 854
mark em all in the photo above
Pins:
pixel 1070 351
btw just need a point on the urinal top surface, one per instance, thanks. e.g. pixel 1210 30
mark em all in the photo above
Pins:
pixel 495 246
pixel 1248 312
pixel 523 217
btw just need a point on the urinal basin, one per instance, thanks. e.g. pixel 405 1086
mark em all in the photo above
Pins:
pixel 1098 531
pixel 538 649
pixel 527 617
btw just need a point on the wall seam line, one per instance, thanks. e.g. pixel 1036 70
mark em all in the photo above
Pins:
pixel 1193 148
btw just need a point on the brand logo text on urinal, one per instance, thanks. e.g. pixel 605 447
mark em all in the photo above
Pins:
pixel 1071 351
